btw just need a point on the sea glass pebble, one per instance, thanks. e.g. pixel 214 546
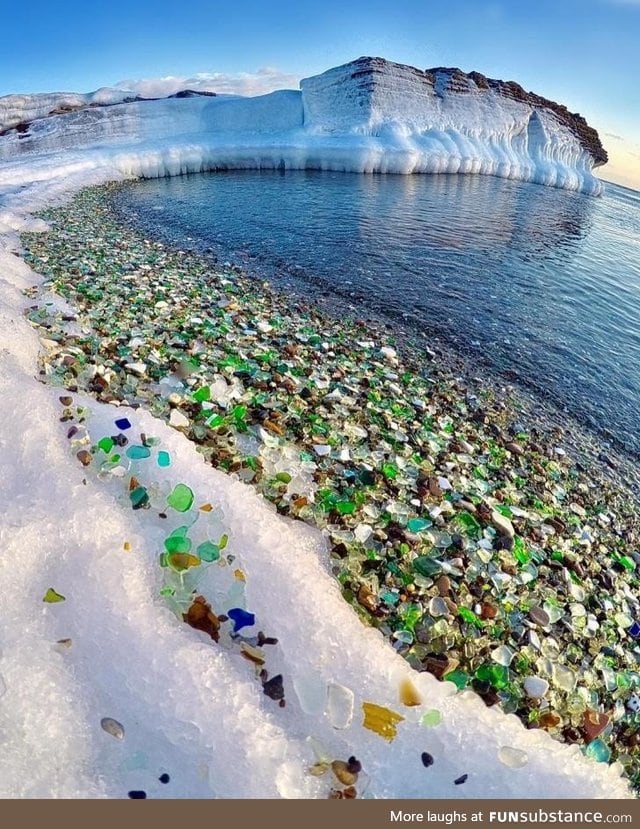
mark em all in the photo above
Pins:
pixel 208 551
pixel 138 453
pixel 431 718
pixel 51 596
pixel 123 423
pixel 513 757
pixel 241 618
pixel 164 459
pixel 112 727
pixel 382 721
pixel 181 498
pixel 598 750
pixel 339 709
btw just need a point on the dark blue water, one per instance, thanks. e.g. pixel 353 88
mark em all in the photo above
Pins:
pixel 542 284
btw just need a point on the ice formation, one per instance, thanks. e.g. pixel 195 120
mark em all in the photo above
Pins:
pixel 107 691
pixel 369 116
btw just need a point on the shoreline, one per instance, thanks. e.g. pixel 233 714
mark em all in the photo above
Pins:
pixel 472 507
pixel 619 462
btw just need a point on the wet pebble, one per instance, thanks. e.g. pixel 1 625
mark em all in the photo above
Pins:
pixel 112 727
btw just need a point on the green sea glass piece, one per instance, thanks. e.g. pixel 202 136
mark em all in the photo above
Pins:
pixel 469 617
pixel 426 566
pixel 497 675
pixel 459 679
pixel 416 525
pixel 106 444
pixel 137 453
pixel 139 497
pixel 345 507
pixel 181 499
pixel 431 718
pixel 178 542
pixel 164 458
pixel 51 596
pixel 202 395
pixel 208 551
pixel 389 471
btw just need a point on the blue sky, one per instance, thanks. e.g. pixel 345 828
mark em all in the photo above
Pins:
pixel 584 53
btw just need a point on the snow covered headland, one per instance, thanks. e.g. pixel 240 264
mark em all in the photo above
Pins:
pixel 367 116
pixel 103 689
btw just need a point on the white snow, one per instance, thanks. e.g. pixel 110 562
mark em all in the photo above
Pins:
pixel 190 707
pixel 16 109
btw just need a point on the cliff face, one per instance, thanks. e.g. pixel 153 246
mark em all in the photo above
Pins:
pixel 373 81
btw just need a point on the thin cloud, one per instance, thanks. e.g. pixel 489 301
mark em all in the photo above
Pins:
pixel 614 136
pixel 264 80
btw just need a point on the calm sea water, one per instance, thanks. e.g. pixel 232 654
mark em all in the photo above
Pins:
pixel 541 284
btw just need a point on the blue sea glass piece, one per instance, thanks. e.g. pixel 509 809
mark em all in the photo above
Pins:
pixel 634 630
pixel 123 423
pixel 241 618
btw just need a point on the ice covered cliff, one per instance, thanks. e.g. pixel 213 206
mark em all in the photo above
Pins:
pixel 369 115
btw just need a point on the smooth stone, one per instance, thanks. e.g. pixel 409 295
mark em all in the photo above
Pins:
pixel 536 687
pixel 112 727
pixel 340 704
pixel 539 616
pixel 513 757
pixel 178 420
pixel 502 524
pixel 502 655
pixel 443 583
